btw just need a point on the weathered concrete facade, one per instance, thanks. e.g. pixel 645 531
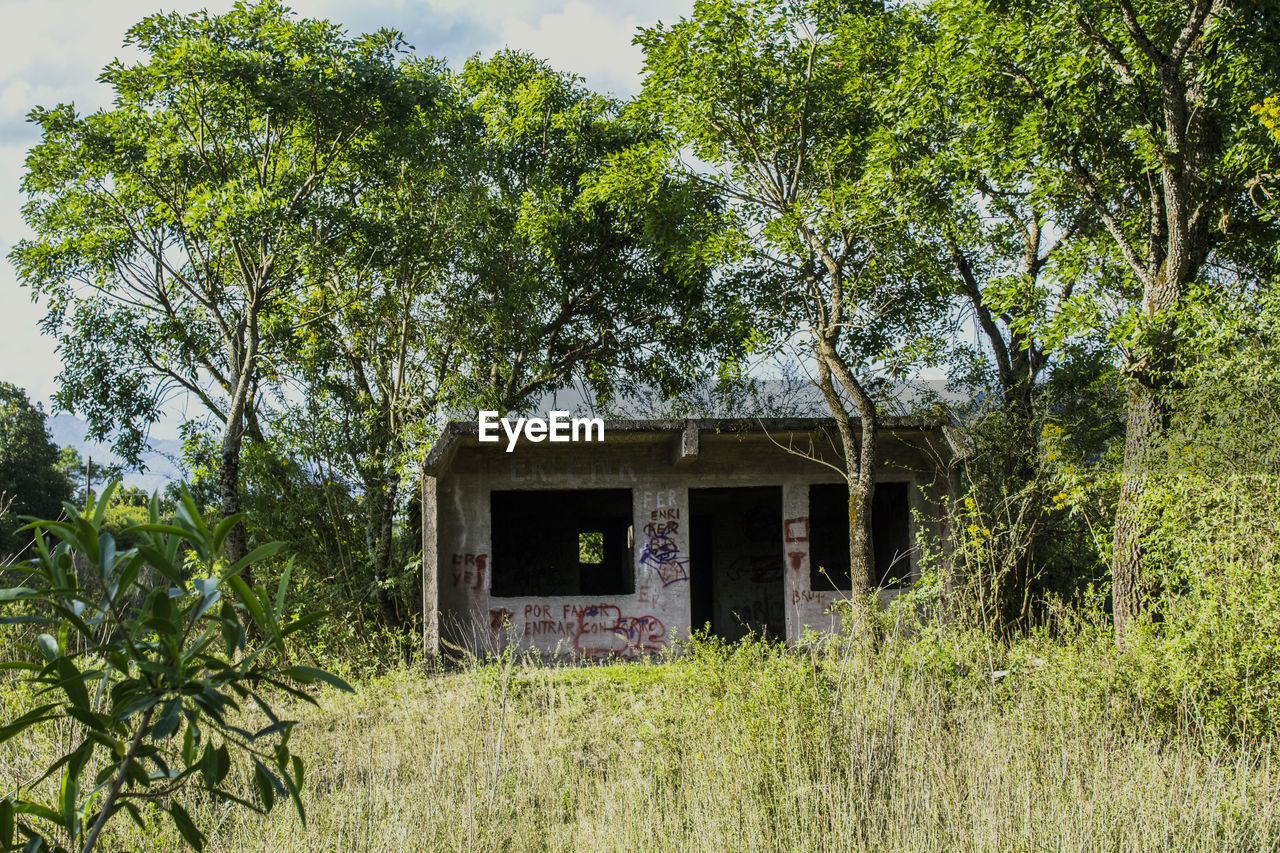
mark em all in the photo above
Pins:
pixel 620 547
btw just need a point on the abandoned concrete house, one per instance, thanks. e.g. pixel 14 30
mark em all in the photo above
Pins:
pixel 620 547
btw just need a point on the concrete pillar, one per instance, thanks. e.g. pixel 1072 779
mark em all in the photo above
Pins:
pixel 795 553
pixel 430 571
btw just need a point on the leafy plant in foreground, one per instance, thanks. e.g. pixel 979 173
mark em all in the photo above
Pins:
pixel 147 657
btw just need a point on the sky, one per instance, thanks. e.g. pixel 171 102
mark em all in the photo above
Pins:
pixel 51 51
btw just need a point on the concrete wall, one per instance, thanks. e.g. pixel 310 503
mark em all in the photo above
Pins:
pixel 660 470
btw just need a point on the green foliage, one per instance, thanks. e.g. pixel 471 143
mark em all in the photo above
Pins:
pixel 32 482
pixel 299 489
pixel 569 274
pixel 146 656
pixel 270 205
pixel 779 103
pixel 122 521
pixel 489 264
pixel 299 496
pixel 1130 121
pixel 189 205
pixel 1031 527
pixel 174 230
pixel 1213 642
pixel 1211 516
pixel 1264 187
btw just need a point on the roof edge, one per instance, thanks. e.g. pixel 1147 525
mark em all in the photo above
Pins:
pixel 455 430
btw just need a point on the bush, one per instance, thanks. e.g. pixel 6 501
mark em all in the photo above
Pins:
pixel 1213 642
pixel 145 660
pixel 1211 520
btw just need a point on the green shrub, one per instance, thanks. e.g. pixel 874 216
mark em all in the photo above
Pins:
pixel 1212 648
pixel 145 660
pixel 1210 652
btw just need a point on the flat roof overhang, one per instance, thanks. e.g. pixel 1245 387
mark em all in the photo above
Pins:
pixel 689 432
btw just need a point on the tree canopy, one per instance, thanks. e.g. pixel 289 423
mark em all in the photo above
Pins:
pixel 31 481
pixel 335 245
pixel 171 227
pixel 1138 114
pixel 782 103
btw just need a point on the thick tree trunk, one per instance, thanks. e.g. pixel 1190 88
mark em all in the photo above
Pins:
pixel 1146 420
pixel 1176 247
pixel 1129 586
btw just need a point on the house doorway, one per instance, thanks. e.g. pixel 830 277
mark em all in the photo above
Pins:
pixel 736 561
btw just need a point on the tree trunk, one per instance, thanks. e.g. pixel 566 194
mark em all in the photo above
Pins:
pixel 1146 420
pixel 229 492
pixel 1177 246
pixel 243 363
pixel 861 454
pixel 381 492
pixel 1129 586
pixel 862 554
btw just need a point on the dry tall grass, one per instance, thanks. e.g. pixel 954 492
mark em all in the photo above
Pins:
pixel 751 748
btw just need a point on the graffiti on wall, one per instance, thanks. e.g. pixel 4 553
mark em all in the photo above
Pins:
pixel 661 552
pixel 597 630
pixel 796 529
pixel 828 601
pixel 603 630
pixel 540 620
pixel 468 571
pixel 661 500
pixel 500 618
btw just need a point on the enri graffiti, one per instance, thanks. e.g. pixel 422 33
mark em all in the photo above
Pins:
pixel 662 554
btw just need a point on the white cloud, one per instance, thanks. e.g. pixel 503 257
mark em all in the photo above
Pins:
pixel 588 40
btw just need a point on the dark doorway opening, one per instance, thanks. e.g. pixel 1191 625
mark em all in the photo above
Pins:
pixel 736 561
pixel 829 536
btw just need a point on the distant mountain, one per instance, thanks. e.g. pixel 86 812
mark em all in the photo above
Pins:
pixel 160 464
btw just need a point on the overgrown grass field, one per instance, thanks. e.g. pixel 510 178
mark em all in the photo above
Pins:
pixel 911 746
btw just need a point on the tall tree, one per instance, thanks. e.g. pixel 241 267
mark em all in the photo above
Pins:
pixel 170 228
pixel 373 348
pixel 1137 110
pixel 778 99
pixel 1016 253
pixel 560 282
pixel 488 267
pixel 31 483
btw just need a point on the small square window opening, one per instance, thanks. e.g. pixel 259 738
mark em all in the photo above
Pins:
pixel 591 547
